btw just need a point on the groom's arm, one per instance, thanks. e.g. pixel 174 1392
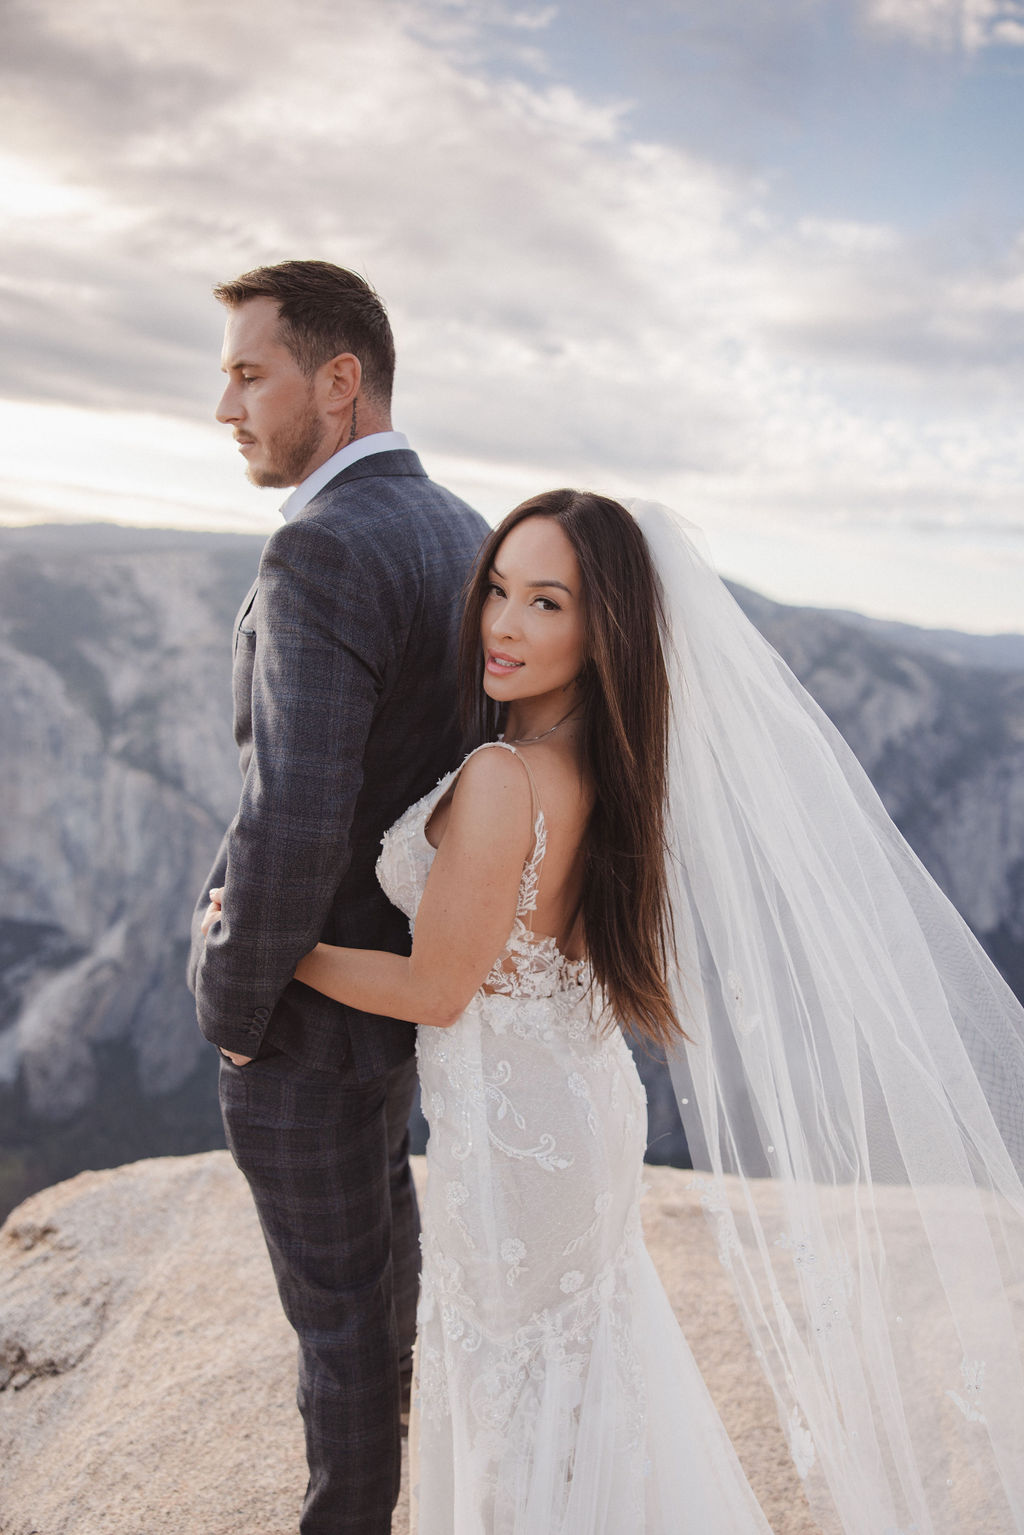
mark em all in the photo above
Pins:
pixel 323 639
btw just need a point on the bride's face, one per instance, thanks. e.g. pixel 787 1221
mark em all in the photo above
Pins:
pixel 532 620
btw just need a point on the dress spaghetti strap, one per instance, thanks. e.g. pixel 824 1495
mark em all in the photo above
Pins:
pixel 529 884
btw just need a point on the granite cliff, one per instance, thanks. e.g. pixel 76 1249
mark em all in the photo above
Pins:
pixel 119 774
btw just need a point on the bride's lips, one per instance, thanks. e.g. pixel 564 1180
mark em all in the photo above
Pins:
pixel 501 665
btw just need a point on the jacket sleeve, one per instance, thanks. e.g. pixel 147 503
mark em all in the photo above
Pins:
pixel 323 643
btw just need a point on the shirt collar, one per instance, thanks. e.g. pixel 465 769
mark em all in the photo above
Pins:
pixel 374 442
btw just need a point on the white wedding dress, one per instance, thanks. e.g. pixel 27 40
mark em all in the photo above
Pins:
pixel 555 1393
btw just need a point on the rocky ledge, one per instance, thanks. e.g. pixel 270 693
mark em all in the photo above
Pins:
pixel 147 1375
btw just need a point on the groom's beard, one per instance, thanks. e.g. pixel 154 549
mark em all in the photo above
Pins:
pixel 288 452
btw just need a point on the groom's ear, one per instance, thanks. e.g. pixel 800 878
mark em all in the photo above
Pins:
pixel 338 382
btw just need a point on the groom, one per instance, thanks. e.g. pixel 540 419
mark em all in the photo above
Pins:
pixel 345 713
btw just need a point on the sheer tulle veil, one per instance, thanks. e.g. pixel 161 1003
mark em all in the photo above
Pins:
pixel 853 1095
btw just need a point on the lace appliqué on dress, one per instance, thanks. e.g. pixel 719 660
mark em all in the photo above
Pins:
pixel 972 1372
pixel 533 966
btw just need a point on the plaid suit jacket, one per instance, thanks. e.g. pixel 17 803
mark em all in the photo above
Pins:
pixel 345 713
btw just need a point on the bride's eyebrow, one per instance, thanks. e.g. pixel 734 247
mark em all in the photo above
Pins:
pixel 494 571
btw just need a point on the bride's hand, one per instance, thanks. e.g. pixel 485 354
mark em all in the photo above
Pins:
pixel 213 911
pixel 232 1055
pixel 210 916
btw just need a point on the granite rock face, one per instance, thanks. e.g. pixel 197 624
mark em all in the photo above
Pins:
pixel 119 775
pixel 147 1373
pixel 937 721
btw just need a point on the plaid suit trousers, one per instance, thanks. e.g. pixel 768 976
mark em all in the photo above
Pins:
pixel 327 1160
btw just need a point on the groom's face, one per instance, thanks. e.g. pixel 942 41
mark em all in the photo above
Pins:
pixel 269 402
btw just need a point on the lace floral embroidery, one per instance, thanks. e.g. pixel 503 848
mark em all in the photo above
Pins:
pixel 456 1195
pixel 533 966
pixel 972 1372
pixel 601 1206
pixel 513 1251
pixel 832 1280
pixel 530 882
pixel 745 1021
pixel 801 1445
pixel 562 1336
pixel 714 1201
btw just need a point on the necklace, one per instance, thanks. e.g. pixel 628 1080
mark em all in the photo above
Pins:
pixel 528 740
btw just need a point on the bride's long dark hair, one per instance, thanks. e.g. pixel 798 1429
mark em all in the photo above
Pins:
pixel 624 691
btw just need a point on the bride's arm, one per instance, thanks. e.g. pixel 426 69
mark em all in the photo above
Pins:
pixel 465 916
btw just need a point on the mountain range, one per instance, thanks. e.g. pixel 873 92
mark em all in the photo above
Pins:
pixel 119 774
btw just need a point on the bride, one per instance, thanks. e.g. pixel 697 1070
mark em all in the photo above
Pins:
pixel 667 836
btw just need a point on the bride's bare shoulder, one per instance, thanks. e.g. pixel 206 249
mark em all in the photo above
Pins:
pixel 491 766
pixel 489 796
pixel 499 789
pixel 562 783
pixel 492 788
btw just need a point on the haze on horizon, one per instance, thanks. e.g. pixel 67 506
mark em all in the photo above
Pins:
pixel 765 263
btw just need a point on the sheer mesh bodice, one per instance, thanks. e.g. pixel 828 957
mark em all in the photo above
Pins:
pixel 555 1394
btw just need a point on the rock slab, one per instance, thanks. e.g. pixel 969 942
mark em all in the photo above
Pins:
pixel 147 1374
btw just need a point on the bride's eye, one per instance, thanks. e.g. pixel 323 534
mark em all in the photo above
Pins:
pixel 547 605
pixel 493 590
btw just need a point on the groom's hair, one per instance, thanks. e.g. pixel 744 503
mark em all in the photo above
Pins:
pixel 324 310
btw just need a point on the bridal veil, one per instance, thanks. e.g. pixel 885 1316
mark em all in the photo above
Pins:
pixel 853 1095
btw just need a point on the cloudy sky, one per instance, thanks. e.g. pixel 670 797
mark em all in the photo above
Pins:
pixel 761 258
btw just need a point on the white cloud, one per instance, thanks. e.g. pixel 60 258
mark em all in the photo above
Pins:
pixel 967 24
pixel 571 303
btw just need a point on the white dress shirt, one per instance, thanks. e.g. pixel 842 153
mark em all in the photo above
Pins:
pixel 373 442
